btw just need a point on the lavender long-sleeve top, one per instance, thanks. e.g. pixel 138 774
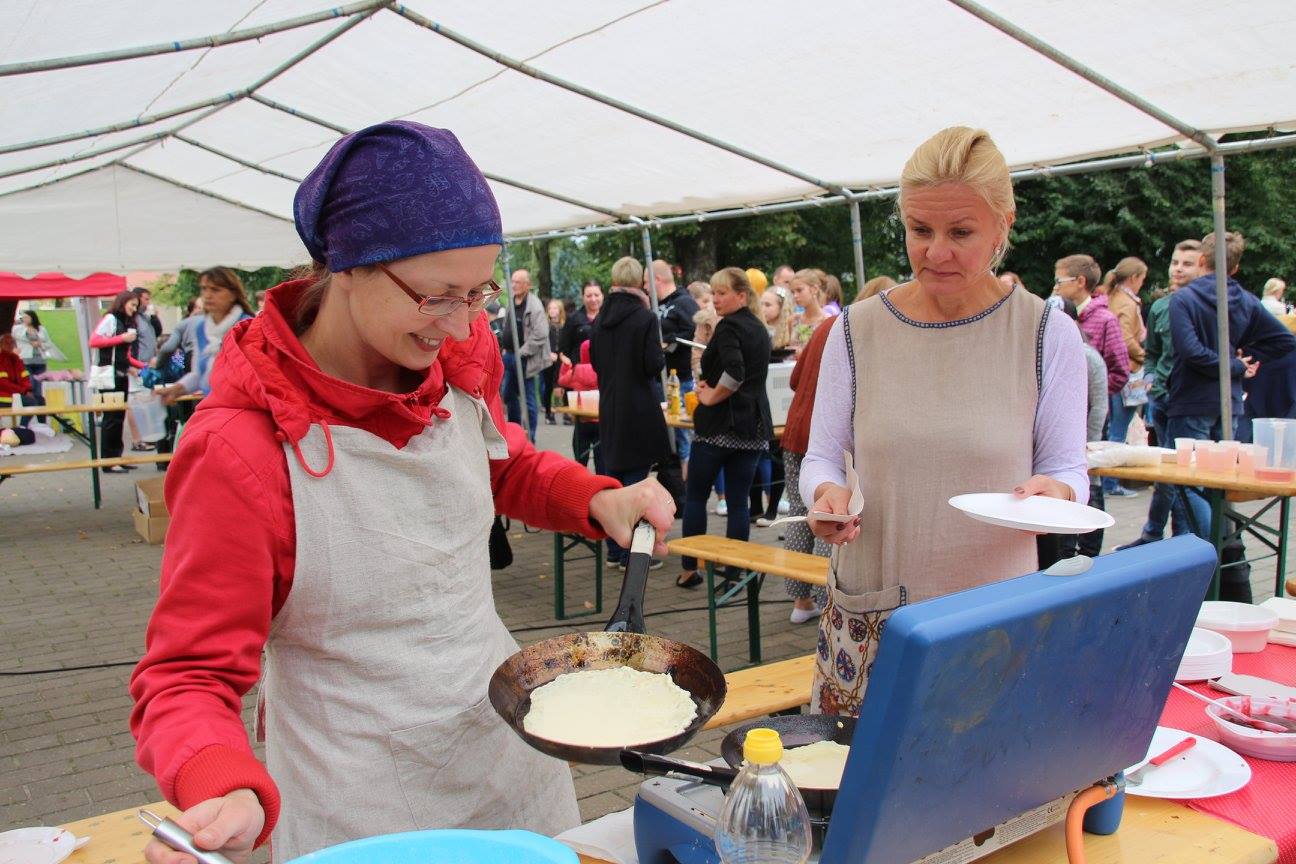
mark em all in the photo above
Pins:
pixel 1059 417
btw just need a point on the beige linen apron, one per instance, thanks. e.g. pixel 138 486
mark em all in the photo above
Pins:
pixel 377 665
pixel 940 410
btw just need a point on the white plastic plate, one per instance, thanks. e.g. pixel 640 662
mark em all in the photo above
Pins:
pixel 1037 513
pixel 1208 770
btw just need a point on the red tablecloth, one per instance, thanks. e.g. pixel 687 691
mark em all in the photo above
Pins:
pixel 1266 805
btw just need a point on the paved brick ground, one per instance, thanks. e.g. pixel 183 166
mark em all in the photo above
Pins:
pixel 78 585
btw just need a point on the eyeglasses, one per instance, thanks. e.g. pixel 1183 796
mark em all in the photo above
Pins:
pixel 439 307
pixel 1066 279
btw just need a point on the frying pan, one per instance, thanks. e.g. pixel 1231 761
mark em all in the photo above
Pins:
pixel 796 730
pixel 622 643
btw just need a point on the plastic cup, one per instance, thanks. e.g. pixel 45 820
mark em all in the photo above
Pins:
pixel 1228 453
pixel 1209 457
pixel 1246 462
pixel 690 402
pixel 1184 451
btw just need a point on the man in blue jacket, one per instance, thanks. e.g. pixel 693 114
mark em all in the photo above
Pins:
pixel 1192 393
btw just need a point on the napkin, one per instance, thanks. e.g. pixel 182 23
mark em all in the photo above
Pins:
pixel 610 837
pixel 856 505
pixel 1104 454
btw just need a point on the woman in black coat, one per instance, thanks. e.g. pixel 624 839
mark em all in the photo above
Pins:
pixel 732 424
pixel 626 352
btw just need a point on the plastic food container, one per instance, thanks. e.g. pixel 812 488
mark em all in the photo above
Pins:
pixel 1277 746
pixel 1246 626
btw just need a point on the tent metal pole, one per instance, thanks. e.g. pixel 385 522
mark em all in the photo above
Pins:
pixel 236 160
pixel 857 244
pixel 650 284
pixel 228 38
pixel 516 184
pixel 526 69
pixel 1037 44
pixel 222 100
pixel 1151 158
pixel 89 154
pixel 517 349
pixel 1221 297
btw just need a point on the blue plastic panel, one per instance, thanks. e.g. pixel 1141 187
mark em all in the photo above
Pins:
pixel 448 846
pixel 990 702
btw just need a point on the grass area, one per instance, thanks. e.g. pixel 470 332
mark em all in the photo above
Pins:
pixel 61 324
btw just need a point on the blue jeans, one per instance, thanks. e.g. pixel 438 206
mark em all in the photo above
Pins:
pixel 705 463
pixel 1118 422
pixel 1202 429
pixel 1163 494
pixel 615 551
pixel 683 437
pixel 508 390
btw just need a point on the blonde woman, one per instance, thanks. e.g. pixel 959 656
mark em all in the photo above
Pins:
pixel 807 288
pixel 557 314
pixel 947 384
pixel 875 286
pixel 776 312
pixel 1272 298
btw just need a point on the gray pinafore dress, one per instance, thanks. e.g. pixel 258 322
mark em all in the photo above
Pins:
pixel 940 410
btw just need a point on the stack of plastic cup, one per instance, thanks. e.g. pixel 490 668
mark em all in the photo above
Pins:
pixel 1184 451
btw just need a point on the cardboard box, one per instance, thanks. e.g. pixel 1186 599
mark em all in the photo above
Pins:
pixel 149 497
pixel 152 528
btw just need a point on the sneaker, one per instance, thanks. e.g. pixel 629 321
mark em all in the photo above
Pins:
pixel 1142 541
pixel 784 507
pixel 764 522
pixel 655 563
pixel 1121 492
pixel 609 561
pixel 722 508
pixel 801 616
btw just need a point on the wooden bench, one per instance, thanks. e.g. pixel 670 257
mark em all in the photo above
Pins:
pixel 772 688
pixel 81 464
pixel 757 560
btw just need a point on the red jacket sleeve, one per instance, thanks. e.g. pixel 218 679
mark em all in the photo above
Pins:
pixel 218 592
pixel 539 487
pixel 14 377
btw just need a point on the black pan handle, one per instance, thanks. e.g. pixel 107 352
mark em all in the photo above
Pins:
pixel 628 617
pixel 658 766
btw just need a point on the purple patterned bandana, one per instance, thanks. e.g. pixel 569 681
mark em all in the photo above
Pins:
pixel 392 191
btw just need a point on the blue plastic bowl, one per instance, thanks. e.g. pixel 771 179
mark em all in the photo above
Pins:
pixel 452 846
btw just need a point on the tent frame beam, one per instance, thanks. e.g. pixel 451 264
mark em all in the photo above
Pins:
pixel 1148 159
pixel 229 37
pixel 516 184
pixel 625 107
pixel 195 189
pixel 216 101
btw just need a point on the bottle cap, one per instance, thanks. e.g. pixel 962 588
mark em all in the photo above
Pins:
pixel 762 747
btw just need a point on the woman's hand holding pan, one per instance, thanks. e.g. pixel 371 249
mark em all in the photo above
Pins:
pixel 617 511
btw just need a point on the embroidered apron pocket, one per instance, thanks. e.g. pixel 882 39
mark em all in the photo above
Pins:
pixel 849 633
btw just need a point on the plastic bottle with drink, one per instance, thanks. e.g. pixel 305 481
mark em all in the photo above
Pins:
pixel 673 395
pixel 764 818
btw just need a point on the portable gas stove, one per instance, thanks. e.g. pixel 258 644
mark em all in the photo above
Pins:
pixel 992 707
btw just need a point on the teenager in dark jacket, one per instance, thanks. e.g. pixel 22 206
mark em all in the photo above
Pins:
pixel 626 352
pixel 675 310
pixel 732 424
pixel 1193 391
pixel 580 323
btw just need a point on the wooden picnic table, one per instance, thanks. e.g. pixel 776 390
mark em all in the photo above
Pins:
pixel 1152 831
pixel 1223 489
pixel 681 421
pixel 88 437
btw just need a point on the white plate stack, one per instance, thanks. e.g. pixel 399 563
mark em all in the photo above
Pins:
pixel 1285 609
pixel 1208 655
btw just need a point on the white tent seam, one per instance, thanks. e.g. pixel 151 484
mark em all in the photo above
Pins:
pixel 200 191
pixel 517 184
pixel 625 107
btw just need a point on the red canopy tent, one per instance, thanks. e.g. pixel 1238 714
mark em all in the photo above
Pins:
pixel 45 286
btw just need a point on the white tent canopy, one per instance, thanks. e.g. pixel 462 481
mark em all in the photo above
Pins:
pixel 189 158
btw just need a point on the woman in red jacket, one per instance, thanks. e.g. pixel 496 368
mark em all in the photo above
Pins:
pixel 14 378
pixel 331 502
